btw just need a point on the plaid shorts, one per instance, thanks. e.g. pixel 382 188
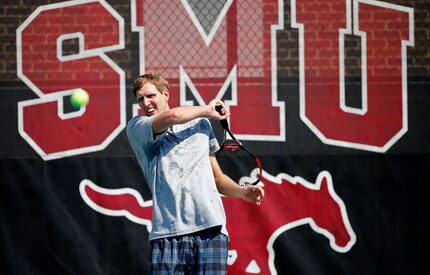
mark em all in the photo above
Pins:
pixel 203 252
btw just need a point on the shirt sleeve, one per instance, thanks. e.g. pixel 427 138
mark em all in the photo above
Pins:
pixel 140 133
pixel 213 142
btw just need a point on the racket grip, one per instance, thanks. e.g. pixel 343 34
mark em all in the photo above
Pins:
pixel 218 107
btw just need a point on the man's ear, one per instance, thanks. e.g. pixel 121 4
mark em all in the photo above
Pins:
pixel 166 95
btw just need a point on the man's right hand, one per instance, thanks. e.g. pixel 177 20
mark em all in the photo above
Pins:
pixel 223 114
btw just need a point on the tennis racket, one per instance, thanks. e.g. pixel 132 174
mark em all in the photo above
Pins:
pixel 235 160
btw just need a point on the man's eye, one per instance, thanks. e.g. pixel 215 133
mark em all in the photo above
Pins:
pixel 140 99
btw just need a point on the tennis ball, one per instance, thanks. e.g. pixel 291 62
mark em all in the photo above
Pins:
pixel 79 98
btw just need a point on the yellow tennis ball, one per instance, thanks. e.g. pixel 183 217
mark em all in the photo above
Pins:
pixel 79 98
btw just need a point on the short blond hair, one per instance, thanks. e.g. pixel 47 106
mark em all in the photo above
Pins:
pixel 157 80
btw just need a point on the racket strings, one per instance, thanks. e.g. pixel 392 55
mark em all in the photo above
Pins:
pixel 235 161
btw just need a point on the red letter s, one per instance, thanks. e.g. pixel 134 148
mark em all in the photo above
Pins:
pixel 52 76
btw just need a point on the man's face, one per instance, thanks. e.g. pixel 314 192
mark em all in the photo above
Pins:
pixel 151 101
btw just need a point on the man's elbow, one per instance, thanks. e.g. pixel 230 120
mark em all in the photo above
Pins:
pixel 219 180
pixel 165 120
pixel 173 117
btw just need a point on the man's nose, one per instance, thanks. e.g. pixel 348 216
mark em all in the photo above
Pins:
pixel 146 101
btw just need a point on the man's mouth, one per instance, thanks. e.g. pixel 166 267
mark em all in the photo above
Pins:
pixel 150 111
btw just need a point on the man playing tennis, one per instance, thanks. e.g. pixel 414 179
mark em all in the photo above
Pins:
pixel 175 149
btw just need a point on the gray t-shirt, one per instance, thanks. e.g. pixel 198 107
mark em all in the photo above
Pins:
pixel 177 169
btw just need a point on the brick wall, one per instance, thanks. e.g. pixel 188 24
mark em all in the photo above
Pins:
pixel 418 56
pixel 13 13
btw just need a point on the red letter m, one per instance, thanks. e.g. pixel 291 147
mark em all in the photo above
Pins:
pixel 217 49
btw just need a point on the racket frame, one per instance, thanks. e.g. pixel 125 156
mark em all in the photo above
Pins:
pixel 226 129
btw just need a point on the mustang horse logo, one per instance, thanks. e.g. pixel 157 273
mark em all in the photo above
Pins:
pixel 289 202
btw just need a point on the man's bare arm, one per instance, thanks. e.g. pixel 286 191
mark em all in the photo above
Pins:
pixel 180 115
pixel 228 187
